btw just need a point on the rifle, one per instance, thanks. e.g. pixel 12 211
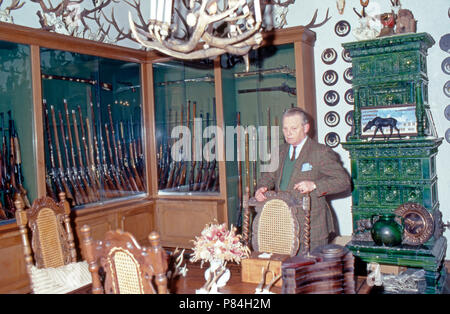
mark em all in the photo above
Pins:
pixel 205 176
pixel 88 154
pixel 87 183
pixel 135 162
pixel 57 175
pixel 177 172
pixel 14 190
pixel 68 173
pixel 116 187
pixel 292 91
pixel 238 124
pixel 49 182
pixel 124 161
pixel 200 169
pixel 132 159
pixel 193 161
pixel 118 169
pixel 112 171
pixel 18 166
pixel 75 175
pixel 6 174
pixel 138 156
pixel 184 163
pixel 108 187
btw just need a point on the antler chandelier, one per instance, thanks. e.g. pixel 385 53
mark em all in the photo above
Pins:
pixel 197 29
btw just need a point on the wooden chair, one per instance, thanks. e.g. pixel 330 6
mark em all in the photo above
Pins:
pixel 127 268
pixel 52 242
pixel 276 228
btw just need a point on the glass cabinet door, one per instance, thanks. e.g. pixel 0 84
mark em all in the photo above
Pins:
pixel 255 100
pixel 93 127
pixel 17 160
pixel 185 120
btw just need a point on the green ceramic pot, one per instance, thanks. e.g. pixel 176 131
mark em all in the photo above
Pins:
pixel 386 231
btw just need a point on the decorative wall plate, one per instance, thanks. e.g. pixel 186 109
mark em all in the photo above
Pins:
pixel 447 135
pixel 342 28
pixel 418 223
pixel 346 56
pixel 446 65
pixel 447 88
pixel 332 139
pixel 349 97
pixel 444 43
pixel 330 77
pixel 332 118
pixel 349 118
pixel 447 112
pixel 348 75
pixel 331 98
pixel 329 56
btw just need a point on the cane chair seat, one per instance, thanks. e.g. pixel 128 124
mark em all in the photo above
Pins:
pixel 128 267
pixel 275 227
pixel 52 244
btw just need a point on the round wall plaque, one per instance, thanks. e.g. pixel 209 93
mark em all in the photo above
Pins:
pixel 332 139
pixel 330 77
pixel 342 28
pixel 447 88
pixel 348 75
pixel 417 222
pixel 349 97
pixel 447 135
pixel 349 118
pixel 332 118
pixel 346 56
pixel 444 43
pixel 447 112
pixel 445 66
pixel 331 98
pixel 329 56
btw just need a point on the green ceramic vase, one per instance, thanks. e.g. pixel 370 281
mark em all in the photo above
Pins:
pixel 386 231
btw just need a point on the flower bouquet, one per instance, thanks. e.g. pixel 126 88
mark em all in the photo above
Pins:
pixel 217 245
pixel 216 242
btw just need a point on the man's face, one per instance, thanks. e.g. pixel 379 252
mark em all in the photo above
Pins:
pixel 294 130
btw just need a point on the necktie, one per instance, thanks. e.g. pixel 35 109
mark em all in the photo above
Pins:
pixel 293 154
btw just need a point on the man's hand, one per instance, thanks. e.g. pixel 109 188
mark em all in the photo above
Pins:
pixel 305 186
pixel 259 194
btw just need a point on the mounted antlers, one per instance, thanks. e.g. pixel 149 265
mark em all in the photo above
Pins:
pixel 259 289
pixel 238 37
pixel 5 15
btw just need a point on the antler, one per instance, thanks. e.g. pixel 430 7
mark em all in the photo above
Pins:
pixel 266 289
pixel 14 5
pixel 313 24
pixel 213 278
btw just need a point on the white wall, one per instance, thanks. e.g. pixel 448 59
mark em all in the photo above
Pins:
pixel 432 18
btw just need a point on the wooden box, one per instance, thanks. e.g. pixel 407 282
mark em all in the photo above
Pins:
pixel 253 266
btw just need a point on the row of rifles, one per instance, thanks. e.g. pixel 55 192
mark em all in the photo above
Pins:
pixel 11 177
pixel 187 175
pixel 99 163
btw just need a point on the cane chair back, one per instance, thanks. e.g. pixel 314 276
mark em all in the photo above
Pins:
pixel 275 227
pixel 52 240
pixel 128 268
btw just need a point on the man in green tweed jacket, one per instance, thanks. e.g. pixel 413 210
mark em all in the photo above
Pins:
pixel 306 167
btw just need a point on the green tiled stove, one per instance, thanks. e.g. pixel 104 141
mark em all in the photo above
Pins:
pixel 389 171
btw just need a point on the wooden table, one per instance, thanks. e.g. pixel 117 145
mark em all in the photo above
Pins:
pixel 195 280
